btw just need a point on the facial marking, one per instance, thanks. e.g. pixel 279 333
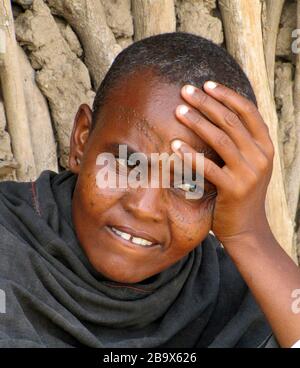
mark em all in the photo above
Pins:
pixel 134 118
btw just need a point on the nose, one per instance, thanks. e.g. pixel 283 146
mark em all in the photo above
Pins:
pixel 145 204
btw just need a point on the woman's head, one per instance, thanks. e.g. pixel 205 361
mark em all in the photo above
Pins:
pixel 131 234
pixel 177 58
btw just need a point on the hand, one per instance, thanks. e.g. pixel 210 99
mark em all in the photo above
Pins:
pixel 232 126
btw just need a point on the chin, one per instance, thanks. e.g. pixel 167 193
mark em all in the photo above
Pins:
pixel 120 275
pixel 128 280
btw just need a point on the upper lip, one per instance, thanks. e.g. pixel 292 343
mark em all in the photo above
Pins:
pixel 137 233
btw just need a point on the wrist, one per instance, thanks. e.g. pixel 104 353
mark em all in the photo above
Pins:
pixel 256 237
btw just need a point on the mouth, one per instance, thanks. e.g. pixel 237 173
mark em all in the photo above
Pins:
pixel 134 238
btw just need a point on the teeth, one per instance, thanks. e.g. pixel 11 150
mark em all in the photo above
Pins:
pixel 133 239
pixel 140 241
pixel 125 236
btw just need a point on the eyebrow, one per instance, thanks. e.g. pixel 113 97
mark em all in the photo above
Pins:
pixel 114 148
pixel 144 126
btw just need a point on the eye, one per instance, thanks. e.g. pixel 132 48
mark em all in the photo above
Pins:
pixel 206 190
pixel 187 187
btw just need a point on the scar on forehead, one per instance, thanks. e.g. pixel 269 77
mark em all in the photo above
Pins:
pixel 143 125
pixel 140 122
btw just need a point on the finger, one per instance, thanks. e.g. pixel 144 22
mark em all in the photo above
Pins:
pixel 212 172
pixel 215 112
pixel 247 111
pixel 223 117
pixel 212 135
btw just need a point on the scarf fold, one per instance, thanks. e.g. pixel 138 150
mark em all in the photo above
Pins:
pixel 54 297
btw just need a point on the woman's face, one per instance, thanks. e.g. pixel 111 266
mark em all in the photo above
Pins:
pixel 139 113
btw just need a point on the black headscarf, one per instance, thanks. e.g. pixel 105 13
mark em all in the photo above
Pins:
pixel 54 297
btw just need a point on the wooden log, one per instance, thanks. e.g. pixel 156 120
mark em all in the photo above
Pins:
pixel 151 17
pixel 42 137
pixel 270 30
pixel 87 18
pixel 7 162
pixel 61 76
pixel 14 100
pixel 288 131
pixel 294 174
pixel 243 34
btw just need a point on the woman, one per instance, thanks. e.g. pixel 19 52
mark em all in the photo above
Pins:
pixel 88 265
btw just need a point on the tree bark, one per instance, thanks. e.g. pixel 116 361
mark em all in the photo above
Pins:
pixel 287 132
pixel 88 19
pixel 7 161
pixel 41 132
pixel 153 17
pixel 294 174
pixel 270 28
pixel 61 76
pixel 14 100
pixel 243 33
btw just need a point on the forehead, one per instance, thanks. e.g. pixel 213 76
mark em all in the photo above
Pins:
pixel 141 111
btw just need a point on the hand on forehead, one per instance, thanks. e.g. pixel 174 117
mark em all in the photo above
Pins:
pixel 144 117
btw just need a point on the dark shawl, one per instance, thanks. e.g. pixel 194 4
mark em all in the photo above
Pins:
pixel 54 298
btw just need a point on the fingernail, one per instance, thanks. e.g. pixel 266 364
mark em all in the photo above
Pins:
pixel 189 90
pixel 176 144
pixel 182 109
pixel 211 85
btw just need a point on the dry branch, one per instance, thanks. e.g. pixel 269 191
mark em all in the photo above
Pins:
pixel 153 17
pixel 87 18
pixel 62 76
pixel 294 174
pixel 243 33
pixel 7 162
pixel 288 136
pixel 14 100
pixel 270 28
pixel 42 137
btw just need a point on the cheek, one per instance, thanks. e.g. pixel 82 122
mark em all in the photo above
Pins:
pixel 190 224
pixel 94 199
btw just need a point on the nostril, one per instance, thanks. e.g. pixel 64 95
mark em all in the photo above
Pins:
pixel 144 213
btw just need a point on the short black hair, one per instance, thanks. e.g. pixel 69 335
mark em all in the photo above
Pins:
pixel 177 58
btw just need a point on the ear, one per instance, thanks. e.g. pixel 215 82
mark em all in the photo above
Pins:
pixel 79 137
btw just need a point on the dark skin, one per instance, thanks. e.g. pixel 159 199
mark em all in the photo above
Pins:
pixel 230 130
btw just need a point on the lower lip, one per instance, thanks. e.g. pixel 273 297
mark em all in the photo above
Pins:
pixel 128 243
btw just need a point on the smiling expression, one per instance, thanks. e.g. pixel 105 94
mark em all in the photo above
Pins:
pixel 129 234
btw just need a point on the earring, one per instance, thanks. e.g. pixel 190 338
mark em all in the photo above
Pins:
pixel 77 161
